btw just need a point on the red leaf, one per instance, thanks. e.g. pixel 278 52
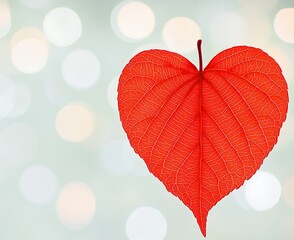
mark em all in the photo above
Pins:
pixel 203 133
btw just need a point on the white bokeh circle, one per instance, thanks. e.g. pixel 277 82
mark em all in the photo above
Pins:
pixel 283 24
pixel 62 26
pixel 133 20
pixel 29 55
pixel 81 69
pixel 38 184
pixel 76 205
pixel 75 122
pixel 146 223
pixel 180 34
pixel 263 191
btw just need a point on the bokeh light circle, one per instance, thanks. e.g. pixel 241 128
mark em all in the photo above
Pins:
pixel 146 223
pixel 263 191
pixel 81 69
pixel 62 26
pixel 283 24
pixel 76 205
pixel 180 34
pixel 38 184
pixel 29 55
pixel 18 144
pixel 133 20
pixel 5 19
pixel 75 122
pixel 28 33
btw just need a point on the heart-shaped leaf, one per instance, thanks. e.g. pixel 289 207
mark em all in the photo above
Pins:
pixel 203 132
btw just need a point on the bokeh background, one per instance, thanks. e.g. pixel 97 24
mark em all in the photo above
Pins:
pixel 67 171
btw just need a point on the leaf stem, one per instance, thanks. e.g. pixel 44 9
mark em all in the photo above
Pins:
pixel 200 55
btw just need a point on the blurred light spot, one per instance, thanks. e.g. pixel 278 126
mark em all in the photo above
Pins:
pixel 283 60
pixel 75 122
pixel 5 19
pixel 289 191
pixel 29 55
pixel 62 26
pixel 283 24
pixel 37 4
pixel 38 184
pixel 180 34
pixel 112 93
pixel 228 29
pixel 29 50
pixel 28 33
pixel 133 20
pixel 76 205
pixel 81 69
pixel 18 144
pixel 263 191
pixel 117 157
pixel 146 223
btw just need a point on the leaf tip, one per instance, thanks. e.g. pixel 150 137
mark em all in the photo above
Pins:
pixel 202 220
pixel 203 228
